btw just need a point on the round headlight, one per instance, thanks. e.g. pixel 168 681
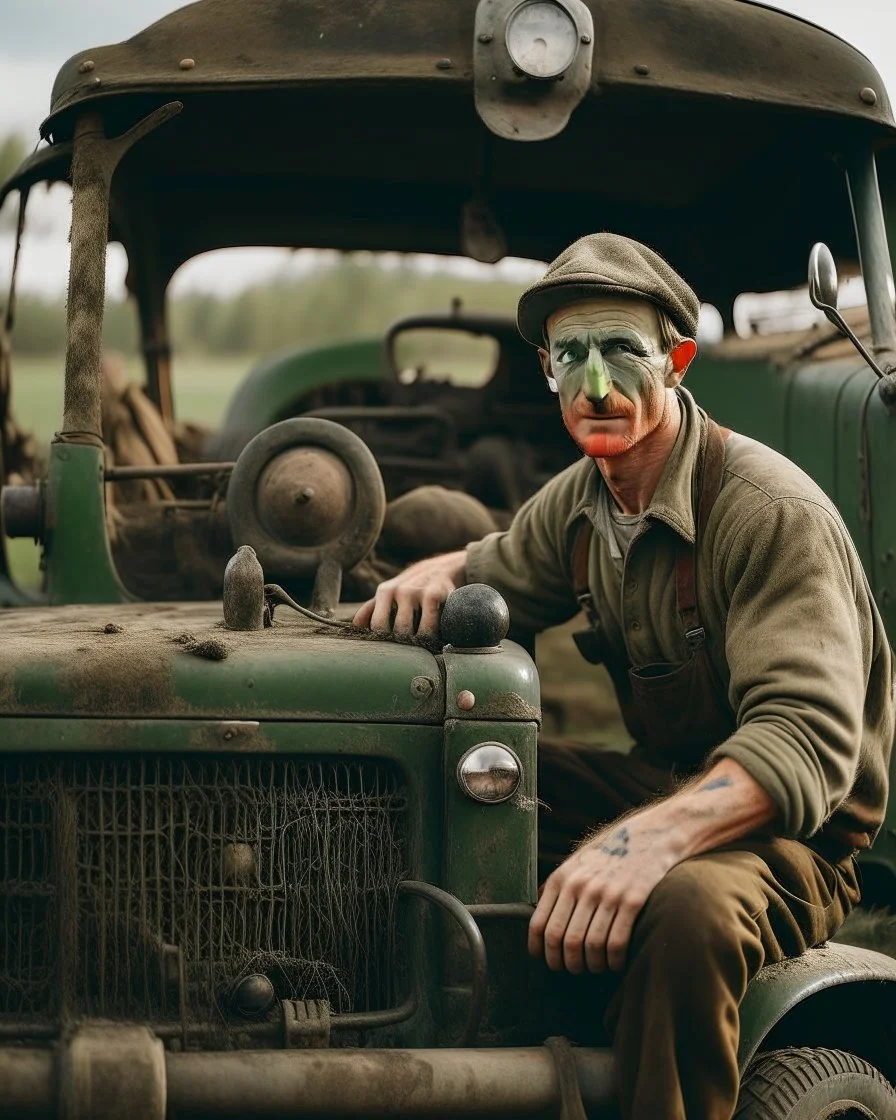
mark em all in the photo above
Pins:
pixel 489 772
pixel 542 39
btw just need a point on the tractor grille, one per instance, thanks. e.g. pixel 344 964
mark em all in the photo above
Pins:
pixel 145 888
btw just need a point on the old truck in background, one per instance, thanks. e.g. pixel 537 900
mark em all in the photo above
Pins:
pixel 287 871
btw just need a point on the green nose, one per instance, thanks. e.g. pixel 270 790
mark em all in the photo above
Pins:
pixel 597 380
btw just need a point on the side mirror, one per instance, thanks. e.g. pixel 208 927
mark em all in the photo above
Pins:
pixel 822 278
pixel 823 295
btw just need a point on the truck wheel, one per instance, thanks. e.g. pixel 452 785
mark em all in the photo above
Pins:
pixel 814 1085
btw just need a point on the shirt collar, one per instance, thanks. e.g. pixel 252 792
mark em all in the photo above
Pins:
pixel 672 501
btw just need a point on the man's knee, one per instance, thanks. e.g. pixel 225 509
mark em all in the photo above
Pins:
pixel 694 912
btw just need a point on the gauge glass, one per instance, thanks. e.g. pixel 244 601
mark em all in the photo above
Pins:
pixel 542 39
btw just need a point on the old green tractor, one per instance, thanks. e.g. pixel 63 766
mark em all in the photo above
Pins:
pixel 279 868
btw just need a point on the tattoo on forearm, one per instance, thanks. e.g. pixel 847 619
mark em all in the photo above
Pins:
pixel 617 844
pixel 716 783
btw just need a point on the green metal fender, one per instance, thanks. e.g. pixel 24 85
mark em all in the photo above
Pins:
pixel 839 996
pixel 272 387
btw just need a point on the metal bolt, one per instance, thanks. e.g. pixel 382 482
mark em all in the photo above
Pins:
pixel 868 95
pixel 304 496
pixel 586 39
pixel 642 69
pixel 466 701
pixel 228 735
pixel 86 66
pixel 187 63
pixel 444 64
pixel 422 687
pixel 484 37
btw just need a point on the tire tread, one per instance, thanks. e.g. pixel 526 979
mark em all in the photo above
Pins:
pixel 776 1082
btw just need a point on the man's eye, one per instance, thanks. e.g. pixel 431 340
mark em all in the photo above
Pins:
pixel 568 356
pixel 619 347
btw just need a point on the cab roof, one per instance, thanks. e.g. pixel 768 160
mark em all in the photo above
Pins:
pixel 707 132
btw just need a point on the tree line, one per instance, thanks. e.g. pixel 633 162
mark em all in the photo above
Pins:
pixel 350 298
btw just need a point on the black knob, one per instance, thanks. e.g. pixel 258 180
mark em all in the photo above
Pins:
pixel 253 996
pixel 474 616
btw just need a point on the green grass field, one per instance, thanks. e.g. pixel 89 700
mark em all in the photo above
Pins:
pixel 202 387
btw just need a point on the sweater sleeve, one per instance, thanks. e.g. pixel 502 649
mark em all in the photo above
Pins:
pixel 530 562
pixel 796 643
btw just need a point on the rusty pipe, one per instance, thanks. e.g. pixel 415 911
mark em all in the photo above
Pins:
pixel 518 1082
pixel 27 1083
pixel 289 1085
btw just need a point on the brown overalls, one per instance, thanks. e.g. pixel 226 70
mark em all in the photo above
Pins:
pixel 715 919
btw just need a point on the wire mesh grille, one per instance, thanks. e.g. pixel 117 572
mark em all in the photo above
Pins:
pixel 144 888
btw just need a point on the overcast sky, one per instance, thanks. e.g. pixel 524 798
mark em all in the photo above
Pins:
pixel 37 36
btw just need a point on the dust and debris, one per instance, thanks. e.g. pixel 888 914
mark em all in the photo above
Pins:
pixel 361 633
pixel 526 804
pixel 212 649
pixel 136 674
pixel 510 705
pixel 113 628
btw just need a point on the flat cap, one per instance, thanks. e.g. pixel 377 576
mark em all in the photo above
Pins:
pixel 602 264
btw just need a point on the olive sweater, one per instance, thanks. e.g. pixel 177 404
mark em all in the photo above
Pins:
pixel 792 629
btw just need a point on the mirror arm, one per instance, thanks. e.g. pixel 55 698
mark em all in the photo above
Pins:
pixel 834 316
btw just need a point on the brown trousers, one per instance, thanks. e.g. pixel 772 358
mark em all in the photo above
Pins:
pixel 706 930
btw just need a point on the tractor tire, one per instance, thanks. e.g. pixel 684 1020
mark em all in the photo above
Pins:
pixel 814 1084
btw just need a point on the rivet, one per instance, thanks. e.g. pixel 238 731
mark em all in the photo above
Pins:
pixel 484 37
pixel 868 95
pixel 642 69
pixel 97 81
pixel 228 735
pixel 86 66
pixel 187 63
pixel 586 39
pixel 466 701
pixel 444 64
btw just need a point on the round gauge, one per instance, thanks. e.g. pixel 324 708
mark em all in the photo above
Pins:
pixel 542 39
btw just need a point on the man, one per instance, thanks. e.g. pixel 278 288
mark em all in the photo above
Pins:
pixel 731 609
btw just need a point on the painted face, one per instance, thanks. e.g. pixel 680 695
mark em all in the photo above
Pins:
pixel 607 363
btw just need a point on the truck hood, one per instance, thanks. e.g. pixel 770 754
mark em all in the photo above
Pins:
pixel 176 660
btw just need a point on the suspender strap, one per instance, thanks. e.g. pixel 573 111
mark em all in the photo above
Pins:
pixel 709 483
pixel 580 549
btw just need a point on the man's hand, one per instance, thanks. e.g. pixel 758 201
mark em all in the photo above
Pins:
pixel 415 596
pixel 588 906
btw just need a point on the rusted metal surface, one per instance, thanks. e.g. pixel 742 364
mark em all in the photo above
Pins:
pixel 677 46
pixel 28 1080
pixel 170 470
pixel 448 1083
pixel 94 162
pixel 112 1072
pixel 279 1085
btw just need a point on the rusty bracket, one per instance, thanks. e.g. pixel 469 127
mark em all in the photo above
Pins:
pixel 306 1024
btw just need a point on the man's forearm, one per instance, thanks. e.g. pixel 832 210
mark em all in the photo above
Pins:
pixel 721 806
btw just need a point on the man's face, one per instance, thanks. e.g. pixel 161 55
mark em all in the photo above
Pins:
pixel 611 371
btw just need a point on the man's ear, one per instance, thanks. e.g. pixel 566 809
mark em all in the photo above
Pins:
pixel 680 358
pixel 545 358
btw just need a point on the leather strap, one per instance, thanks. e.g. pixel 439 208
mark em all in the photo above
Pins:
pixel 708 483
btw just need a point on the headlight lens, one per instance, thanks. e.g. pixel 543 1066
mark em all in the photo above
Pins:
pixel 489 772
pixel 542 39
